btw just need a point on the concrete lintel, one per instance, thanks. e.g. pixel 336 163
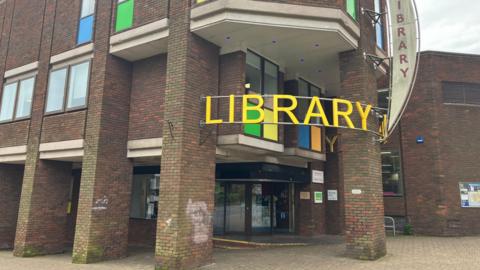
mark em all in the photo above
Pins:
pixel 145 148
pixel 21 70
pixel 64 150
pixel 77 52
pixel 14 154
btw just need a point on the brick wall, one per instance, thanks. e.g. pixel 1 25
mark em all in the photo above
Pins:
pixel 63 127
pixel 13 134
pixel 66 26
pixel 147 99
pixel 10 188
pixel 434 169
pixel 26 26
pixel 142 232
pixel 144 12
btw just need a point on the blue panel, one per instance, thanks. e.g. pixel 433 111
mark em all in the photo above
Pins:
pixel 85 30
pixel 379 30
pixel 304 137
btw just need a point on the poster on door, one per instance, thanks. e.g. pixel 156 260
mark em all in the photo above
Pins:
pixel 470 195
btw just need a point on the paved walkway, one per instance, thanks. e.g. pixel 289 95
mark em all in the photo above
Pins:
pixel 409 253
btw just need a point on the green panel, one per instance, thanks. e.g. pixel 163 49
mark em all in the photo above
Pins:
pixel 352 8
pixel 124 15
pixel 252 129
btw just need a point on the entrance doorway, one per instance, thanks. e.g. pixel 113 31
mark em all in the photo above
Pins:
pixel 254 208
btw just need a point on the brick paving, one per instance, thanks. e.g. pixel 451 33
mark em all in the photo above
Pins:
pixel 412 253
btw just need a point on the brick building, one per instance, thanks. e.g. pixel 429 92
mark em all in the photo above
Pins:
pixel 101 141
pixel 432 161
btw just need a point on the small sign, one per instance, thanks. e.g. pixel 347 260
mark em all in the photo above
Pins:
pixel 318 197
pixel 420 139
pixel 318 177
pixel 332 195
pixel 356 191
pixel 304 195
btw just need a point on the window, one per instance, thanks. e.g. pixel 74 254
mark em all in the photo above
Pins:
pixel 309 137
pixel 144 197
pixel 261 78
pixel 124 17
pixel 16 100
pixel 391 173
pixel 70 82
pixel 461 93
pixel 85 25
pixel 379 25
pixel 383 98
pixel 352 8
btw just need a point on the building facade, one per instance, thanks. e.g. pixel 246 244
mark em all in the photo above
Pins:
pixel 102 143
pixel 430 166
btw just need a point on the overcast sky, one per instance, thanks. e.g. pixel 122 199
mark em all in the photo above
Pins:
pixel 450 25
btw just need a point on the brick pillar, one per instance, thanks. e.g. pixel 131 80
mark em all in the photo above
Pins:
pixel 184 228
pixel 360 157
pixel 43 204
pixel 10 188
pixel 42 218
pixel 104 201
pixel 310 217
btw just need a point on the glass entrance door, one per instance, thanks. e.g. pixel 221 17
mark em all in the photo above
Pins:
pixel 261 208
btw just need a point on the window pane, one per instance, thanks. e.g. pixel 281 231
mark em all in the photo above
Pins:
pixel 124 15
pixel 252 129
pixel 392 180
pixel 453 93
pixel 254 73
pixel 56 90
pixel 25 95
pixel 88 7
pixel 271 78
pixel 78 85
pixel 352 8
pixel 85 30
pixel 8 102
pixel 472 94
pixel 383 97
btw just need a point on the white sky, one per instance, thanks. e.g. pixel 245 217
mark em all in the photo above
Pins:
pixel 450 25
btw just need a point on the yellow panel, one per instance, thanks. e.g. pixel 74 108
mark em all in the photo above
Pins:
pixel 316 139
pixel 270 131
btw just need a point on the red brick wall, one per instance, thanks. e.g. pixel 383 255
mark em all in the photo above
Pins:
pixel 449 155
pixel 147 98
pixel 142 232
pixel 13 134
pixel 27 26
pixel 144 12
pixel 66 26
pixel 10 188
pixel 63 127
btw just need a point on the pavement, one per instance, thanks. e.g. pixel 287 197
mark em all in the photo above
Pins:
pixel 404 252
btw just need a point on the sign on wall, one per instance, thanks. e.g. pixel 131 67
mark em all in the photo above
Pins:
pixel 318 197
pixel 404 46
pixel 317 177
pixel 332 195
pixel 470 195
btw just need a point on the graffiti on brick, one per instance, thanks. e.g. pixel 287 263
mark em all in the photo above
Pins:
pixel 201 219
pixel 101 204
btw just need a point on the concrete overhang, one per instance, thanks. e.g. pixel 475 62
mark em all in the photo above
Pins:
pixel 305 40
pixel 247 144
pixel 13 154
pixel 69 151
pixel 295 153
pixel 141 42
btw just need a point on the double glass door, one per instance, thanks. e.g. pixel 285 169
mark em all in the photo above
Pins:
pixel 253 208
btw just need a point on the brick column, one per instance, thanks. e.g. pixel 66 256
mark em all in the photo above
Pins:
pixel 360 157
pixel 104 201
pixel 10 187
pixel 184 228
pixel 43 205
pixel 310 217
